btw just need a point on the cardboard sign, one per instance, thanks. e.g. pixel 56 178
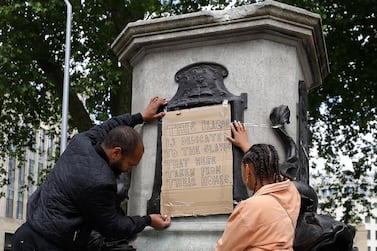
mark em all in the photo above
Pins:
pixel 197 175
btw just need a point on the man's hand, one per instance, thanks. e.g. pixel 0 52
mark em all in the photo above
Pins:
pixel 151 111
pixel 240 137
pixel 160 221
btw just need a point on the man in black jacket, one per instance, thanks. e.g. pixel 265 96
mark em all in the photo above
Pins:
pixel 79 194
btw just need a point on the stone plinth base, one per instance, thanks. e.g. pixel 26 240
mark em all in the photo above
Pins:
pixel 184 234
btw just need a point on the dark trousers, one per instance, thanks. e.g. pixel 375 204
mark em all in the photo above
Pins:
pixel 26 239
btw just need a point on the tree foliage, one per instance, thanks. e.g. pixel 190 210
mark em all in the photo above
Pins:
pixel 343 109
pixel 32 46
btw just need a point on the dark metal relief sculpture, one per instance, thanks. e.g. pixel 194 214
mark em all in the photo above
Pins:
pixel 201 84
pixel 297 164
pixel 280 116
pixel 303 151
pixel 314 232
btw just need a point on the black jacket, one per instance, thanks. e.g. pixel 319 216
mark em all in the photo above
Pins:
pixel 79 194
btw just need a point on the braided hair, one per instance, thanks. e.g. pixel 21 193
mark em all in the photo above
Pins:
pixel 265 160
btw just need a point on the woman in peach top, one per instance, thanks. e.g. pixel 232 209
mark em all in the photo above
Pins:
pixel 266 220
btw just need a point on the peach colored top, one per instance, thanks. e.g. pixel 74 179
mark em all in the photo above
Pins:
pixel 265 221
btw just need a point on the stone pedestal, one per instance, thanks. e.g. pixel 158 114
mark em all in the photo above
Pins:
pixel 267 49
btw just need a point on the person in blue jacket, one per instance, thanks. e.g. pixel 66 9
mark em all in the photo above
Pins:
pixel 79 195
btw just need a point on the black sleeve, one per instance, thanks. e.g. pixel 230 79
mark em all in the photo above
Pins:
pixel 99 132
pixel 100 210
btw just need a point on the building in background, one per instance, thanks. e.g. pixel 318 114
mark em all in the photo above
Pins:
pixel 24 176
pixel 371 229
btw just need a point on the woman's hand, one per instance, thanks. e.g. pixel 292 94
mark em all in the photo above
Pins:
pixel 240 136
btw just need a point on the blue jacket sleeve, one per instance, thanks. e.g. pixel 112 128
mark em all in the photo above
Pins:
pixel 98 133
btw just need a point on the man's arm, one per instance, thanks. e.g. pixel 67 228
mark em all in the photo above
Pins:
pixel 98 133
pixel 150 113
pixel 101 211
